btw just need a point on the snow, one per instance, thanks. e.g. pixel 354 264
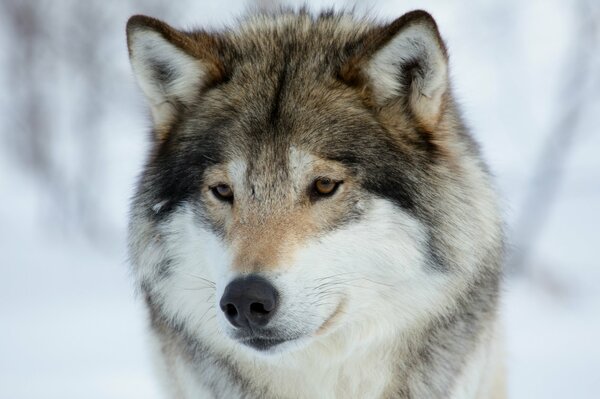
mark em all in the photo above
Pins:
pixel 72 325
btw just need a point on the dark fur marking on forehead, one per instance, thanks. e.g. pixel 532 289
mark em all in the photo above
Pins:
pixel 281 81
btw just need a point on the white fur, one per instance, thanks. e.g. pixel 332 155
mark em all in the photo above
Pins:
pixel 148 49
pixel 176 378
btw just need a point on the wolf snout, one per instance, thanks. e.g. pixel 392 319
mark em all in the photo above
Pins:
pixel 249 302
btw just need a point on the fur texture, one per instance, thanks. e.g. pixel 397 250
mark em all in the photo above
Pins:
pixel 388 286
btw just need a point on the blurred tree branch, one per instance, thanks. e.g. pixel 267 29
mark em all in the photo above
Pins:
pixel 30 114
pixel 581 73
pixel 60 77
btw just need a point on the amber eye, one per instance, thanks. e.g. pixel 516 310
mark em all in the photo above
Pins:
pixel 325 187
pixel 223 192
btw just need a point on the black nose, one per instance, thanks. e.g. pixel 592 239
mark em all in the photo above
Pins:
pixel 249 302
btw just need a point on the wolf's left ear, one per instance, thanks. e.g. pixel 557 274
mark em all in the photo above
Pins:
pixel 170 66
pixel 407 60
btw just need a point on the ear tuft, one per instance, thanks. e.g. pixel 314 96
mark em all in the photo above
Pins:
pixel 168 66
pixel 407 60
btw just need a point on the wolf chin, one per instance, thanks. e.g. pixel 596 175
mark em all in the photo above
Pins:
pixel 314 219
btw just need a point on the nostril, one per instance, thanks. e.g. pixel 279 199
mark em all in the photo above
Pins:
pixel 230 310
pixel 258 308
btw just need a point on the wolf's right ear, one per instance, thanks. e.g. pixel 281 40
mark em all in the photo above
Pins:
pixel 171 67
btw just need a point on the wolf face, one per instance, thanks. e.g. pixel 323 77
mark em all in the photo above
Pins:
pixel 310 178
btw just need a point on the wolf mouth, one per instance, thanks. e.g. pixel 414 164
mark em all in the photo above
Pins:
pixel 263 344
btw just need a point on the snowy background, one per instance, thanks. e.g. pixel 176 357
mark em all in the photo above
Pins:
pixel 73 134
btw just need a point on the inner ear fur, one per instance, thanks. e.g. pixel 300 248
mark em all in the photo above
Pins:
pixel 171 67
pixel 404 61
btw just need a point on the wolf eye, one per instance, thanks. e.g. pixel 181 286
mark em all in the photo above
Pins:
pixel 223 192
pixel 325 187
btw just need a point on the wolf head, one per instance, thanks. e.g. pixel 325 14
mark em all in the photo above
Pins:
pixel 310 177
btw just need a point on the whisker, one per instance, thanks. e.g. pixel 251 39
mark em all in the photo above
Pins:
pixel 205 313
pixel 197 288
pixel 202 278
pixel 334 275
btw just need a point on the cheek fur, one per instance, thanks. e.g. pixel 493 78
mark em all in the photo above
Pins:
pixel 198 261
pixel 376 266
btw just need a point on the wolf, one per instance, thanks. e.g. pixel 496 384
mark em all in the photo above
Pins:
pixel 314 219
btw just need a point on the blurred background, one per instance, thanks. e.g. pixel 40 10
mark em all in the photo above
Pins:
pixel 74 132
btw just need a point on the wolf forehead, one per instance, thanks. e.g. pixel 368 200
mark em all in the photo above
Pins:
pixel 339 87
